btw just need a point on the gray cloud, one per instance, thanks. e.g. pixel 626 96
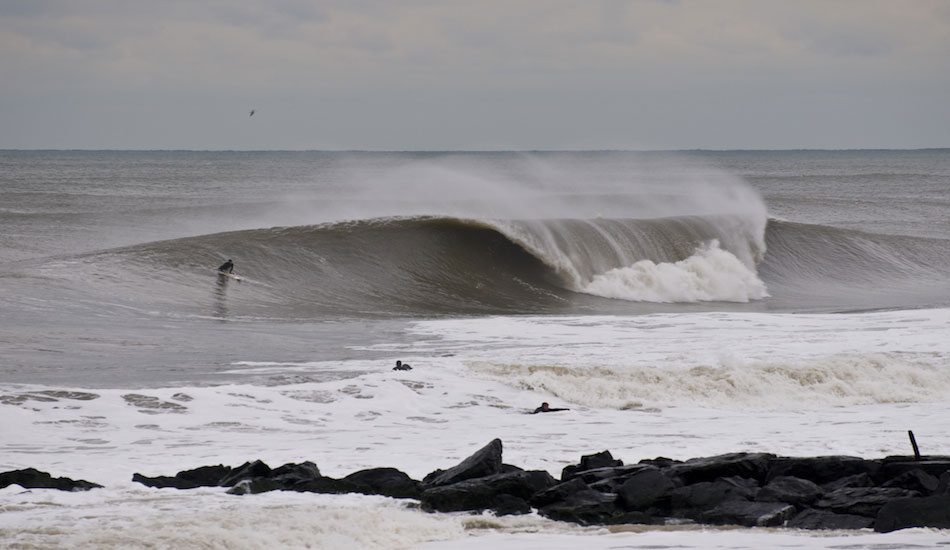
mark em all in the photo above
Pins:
pixel 452 74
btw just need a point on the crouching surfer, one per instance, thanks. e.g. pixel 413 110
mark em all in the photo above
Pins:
pixel 227 267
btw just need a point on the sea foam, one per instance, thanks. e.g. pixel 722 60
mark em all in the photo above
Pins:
pixel 711 274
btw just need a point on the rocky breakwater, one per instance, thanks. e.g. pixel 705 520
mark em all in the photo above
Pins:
pixel 31 478
pixel 747 489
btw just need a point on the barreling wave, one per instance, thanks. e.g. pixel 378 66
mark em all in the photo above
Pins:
pixel 430 265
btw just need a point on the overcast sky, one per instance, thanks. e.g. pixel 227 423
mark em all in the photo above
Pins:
pixel 474 74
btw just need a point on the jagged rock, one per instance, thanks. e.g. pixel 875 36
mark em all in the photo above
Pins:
pixel 255 486
pixel 914 512
pixel 558 492
pixel 614 474
pixel 748 465
pixel 595 461
pixel 586 507
pixel 482 493
pixel 509 505
pixel 692 500
pixel 326 485
pixel 857 480
pixel 915 480
pixel 749 514
pixel 291 474
pixel 248 470
pixel 822 469
pixel 861 501
pixel 485 462
pixel 943 484
pixel 388 482
pixel 935 466
pixel 660 462
pixel 791 490
pixel 205 476
pixel 826 519
pixel 31 478
pixel 646 489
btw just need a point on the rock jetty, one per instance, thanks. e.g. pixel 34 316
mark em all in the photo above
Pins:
pixel 746 489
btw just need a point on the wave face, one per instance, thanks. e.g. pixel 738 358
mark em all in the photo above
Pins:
pixel 451 266
pixel 419 235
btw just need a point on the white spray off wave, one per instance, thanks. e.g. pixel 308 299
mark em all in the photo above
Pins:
pixel 711 274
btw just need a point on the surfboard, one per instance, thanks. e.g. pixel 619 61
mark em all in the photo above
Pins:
pixel 230 275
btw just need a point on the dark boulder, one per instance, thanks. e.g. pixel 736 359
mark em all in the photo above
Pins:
pixel 615 474
pixel 811 518
pixel 692 500
pixel 748 465
pixel 822 469
pixel 749 514
pixel 646 489
pixel 791 490
pixel 914 512
pixel 291 474
pixel 510 505
pixel 935 466
pixel 205 476
pixel 248 470
pixel 31 478
pixel 482 493
pixel 558 492
pixel 856 480
pixel 326 485
pixel 595 461
pixel 255 486
pixel 660 462
pixel 485 462
pixel 388 482
pixel 587 507
pixel 914 480
pixel 861 501
pixel 943 484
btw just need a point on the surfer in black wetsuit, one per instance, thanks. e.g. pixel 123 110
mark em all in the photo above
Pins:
pixel 402 366
pixel 545 408
pixel 227 266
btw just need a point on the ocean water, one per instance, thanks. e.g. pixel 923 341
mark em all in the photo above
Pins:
pixel 679 304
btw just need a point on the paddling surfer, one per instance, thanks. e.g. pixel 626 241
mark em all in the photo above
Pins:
pixel 545 408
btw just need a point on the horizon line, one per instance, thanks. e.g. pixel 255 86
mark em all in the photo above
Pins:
pixel 690 150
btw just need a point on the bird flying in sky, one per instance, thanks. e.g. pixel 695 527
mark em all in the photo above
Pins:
pixel 252 113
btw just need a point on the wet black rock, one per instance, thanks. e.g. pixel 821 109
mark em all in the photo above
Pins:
pixel 746 465
pixel 749 514
pixel 483 493
pixel 595 461
pixel 31 478
pixel 814 519
pixel 914 512
pixel 388 482
pixel 792 490
pixel 746 489
pixel 484 462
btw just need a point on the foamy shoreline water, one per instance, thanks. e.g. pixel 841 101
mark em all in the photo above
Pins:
pixel 680 386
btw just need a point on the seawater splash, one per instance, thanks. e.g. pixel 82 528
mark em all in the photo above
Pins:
pixel 711 274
